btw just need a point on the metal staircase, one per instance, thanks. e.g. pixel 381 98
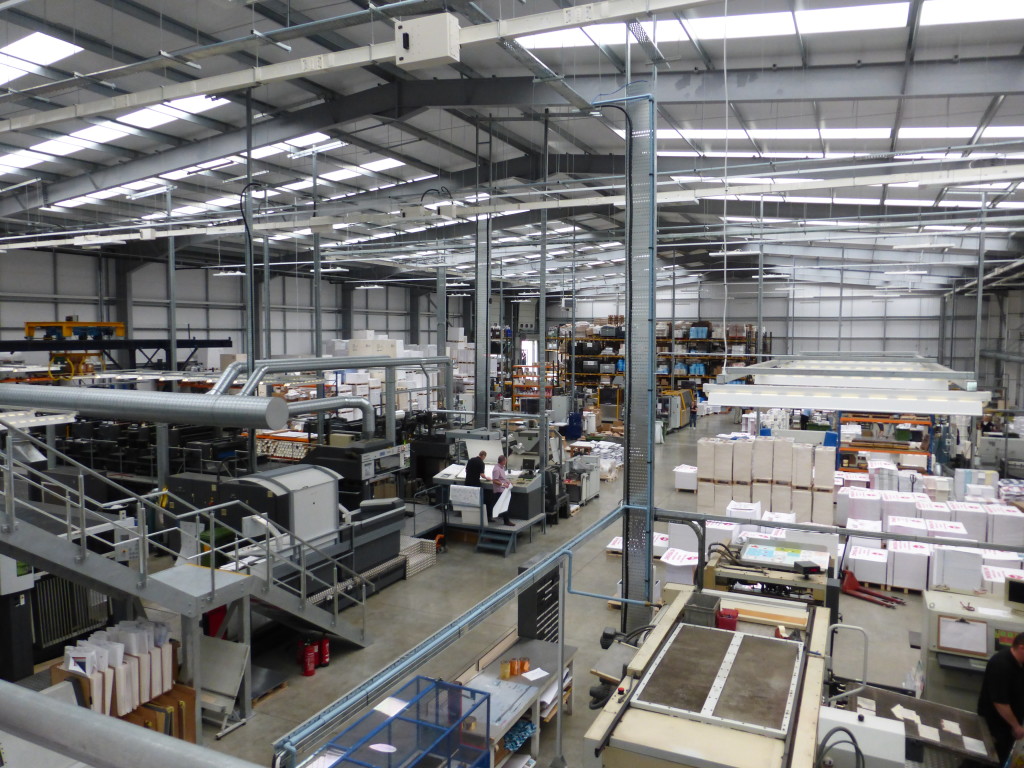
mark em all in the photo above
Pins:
pixel 106 546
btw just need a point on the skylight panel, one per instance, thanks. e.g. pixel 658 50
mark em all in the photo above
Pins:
pixel 382 165
pixel 1003 132
pixel 344 173
pixel 99 134
pixel 196 104
pixel 562 38
pixel 143 184
pixel 939 132
pixel 150 117
pixel 262 152
pixel 855 133
pixel 936 12
pixel 305 184
pixel 857 18
pixel 187 210
pixel 17 58
pixel 57 147
pixel 222 202
pixel 308 140
pixel 741 26
pixel 22 159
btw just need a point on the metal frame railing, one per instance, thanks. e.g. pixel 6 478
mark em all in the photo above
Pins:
pixel 83 515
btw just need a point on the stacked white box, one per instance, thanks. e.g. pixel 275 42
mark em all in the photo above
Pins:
pixel 775 517
pixel 742 461
pixel 719 532
pixel 868 564
pixel 899 504
pixel 761 493
pixel 744 511
pixel 822 508
pixel 865 504
pixel 782 497
pixel 937 488
pixel 723 497
pixel 957 569
pixel 907 526
pixel 659 543
pixel 824 466
pixel 705 497
pixel 1002 559
pixel 993 579
pixel 678 566
pixel 908 564
pixel 980 492
pixel 973 516
pixel 723 461
pixel 803 466
pixel 741 492
pixel 934 510
pixel 854 479
pixel 685 477
pixel 802 504
pixel 1006 526
pixel 706 458
pixel 843 505
pixel 762 457
pixel 946 529
pixel 884 475
pixel 782 461
pixel 868 526
pixel 964 477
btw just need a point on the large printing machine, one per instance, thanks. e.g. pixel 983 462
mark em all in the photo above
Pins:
pixel 303 500
pixel 761 696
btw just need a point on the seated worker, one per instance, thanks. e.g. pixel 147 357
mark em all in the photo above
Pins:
pixel 987 425
pixel 1001 701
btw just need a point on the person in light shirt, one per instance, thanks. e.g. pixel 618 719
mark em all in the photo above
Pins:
pixel 499 482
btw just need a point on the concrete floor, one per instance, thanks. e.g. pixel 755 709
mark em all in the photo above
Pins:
pixel 407 612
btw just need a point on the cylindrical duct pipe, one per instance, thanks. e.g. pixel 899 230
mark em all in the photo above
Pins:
pixel 166 407
pixel 333 403
pixel 97 740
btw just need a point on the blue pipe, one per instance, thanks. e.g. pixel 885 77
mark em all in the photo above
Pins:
pixel 362 694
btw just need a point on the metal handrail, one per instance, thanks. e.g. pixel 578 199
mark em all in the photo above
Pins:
pixel 270 555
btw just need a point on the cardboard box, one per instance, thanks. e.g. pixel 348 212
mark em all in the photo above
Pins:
pixel 782 499
pixel 822 508
pixel 824 466
pixel 868 564
pixel 705 497
pixel 761 493
pixel 973 516
pixel 723 461
pixel 762 457
pixel 957 569
pixel 742 461
pixel 934 510
pixel 782 461
pixel 741 492
pixel 802 504
pixel 908 564
pixel 868 526
pixel 908 526
pixel 706 458
pixel 685 479
pixel 865 504
pixel 723 495
pixel 803 466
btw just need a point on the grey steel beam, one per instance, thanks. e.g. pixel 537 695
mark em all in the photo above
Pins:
pixel 482 324
pixel 394 99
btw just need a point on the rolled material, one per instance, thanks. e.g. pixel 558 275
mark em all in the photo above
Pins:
pixel 164 407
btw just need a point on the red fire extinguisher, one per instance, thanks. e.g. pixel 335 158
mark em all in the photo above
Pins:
pixel 309 659
pixel 325 651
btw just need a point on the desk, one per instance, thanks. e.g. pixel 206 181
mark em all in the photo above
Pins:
pixel 721 576
pixel 513 698
pixel 526 491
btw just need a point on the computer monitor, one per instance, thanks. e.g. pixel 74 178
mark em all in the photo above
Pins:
pixel 529 465
pixel 1015 595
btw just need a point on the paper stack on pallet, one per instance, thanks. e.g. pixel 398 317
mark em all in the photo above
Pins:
pixel 907 526
pixel 867 526
pixel 965 477
pixel 993 578
pixel 1006 526
pixel 865 504
pixel 957 569
pixel 946 529
pixel 934 510
pixel 908 564
pixel 1001 559
pixel 678 566
pixel 843 506
pixel 938 488
pixel 683 537
pixel 974 518
pixel 868 564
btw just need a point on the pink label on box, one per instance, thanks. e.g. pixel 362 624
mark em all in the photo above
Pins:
pixel 678 558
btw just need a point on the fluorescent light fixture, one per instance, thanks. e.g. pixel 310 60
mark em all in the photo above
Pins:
pixel 922 246
pixel 368 287
pixel 382 165
pixel 741 26
pixel 852 18
pixel 282 46
pixel 196 104
pixel 906 272
pixel 150 192
pixel 229 273
pixel 458 285
pixel 734 253
pixel 937 12
pixel 772 275
pixel 341 175
pixel 336 144
pixel 458 295
pixel 333 269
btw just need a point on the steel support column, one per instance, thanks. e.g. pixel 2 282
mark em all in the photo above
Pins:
pixel 481 322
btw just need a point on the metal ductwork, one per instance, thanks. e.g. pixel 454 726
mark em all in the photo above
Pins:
pixel 163 407
pixel 332 403
pixel 1008 357
pixel 262 367
pixel 98 740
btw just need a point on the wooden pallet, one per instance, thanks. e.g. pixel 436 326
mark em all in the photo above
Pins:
pixel 276 689
pixel 890 588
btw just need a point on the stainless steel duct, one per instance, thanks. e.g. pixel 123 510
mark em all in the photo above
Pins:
pixel 98 740
pixel 1008 357
pixel 262 367
pixel 166 407
pixel 332 403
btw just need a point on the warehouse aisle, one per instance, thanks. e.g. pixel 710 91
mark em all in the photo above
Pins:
pixel 404 614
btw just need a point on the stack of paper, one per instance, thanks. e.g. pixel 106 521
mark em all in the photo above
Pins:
pixel 998 558
pixel 824 466
pixel 938 488
pixel 854 479
pixel 980 491
pixel 686 477
pixel 723 461
pixel 934 510
pixel 875 526
pixel 761 493
pixel 742 460
pixel 843 505
pixel 957 569
pixel 884 475
pixel 678 566
pixel 1006 526
pixel 800 502
pixel 993 579
pixel 782 460
pixel 898 504
pixel 908 564
pixel 705 497
pixel 740 509
pixel 775 517
pixel 973 516
pixel 782 497
pixel 866 504
pixel 946 529
pixel 706 458
pixel 803 465
pixel 868 564
pixel 908 526
pixel 763 458
pixel 822 505
pixel 964 477
pixel 719 532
